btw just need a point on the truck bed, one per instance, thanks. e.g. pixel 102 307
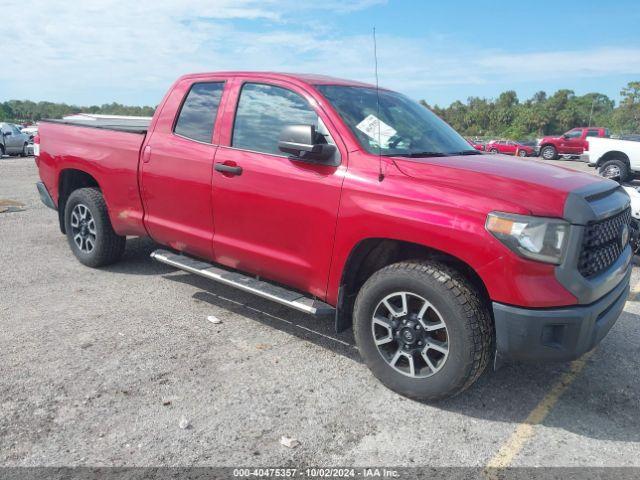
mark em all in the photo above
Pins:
pixel 131 125
pixel 108 152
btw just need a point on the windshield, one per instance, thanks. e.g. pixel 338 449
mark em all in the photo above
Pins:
pixel 400 127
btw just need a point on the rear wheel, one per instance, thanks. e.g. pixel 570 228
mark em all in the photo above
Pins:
pixel 549 152
pixel 23 153
pixel 89 231
pixel 493 150
pixel 615 169
pixel 423 329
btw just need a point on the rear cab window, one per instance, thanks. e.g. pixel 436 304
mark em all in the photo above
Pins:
pixel 197 115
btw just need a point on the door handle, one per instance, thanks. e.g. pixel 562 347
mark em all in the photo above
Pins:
pixel 146 155
pixel 228 169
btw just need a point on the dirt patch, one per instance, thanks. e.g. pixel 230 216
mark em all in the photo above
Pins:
pixel 8 206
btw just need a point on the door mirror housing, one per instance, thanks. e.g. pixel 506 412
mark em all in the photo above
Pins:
pixel 7 134
pixel 303 143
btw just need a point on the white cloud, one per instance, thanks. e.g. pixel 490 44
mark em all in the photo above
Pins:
pixel 591 62
pixel 103 50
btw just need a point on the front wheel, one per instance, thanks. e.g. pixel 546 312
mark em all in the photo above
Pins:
pixel 615 170
pixel 23 153
pixel 493 150
pixel 522 153
pixel 423 329
pixel 549 152
pixel 89 231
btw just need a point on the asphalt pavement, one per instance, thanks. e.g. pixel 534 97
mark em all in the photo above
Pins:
pixel 105 367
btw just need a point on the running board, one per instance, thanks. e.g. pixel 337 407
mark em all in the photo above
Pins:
pixel 245 283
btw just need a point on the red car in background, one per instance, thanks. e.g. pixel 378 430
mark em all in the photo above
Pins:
pixel 509 147
pixel 571 143
pixel 475 144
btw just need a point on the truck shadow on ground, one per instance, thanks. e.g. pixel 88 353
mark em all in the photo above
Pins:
pixel 601 403
pixel 136 259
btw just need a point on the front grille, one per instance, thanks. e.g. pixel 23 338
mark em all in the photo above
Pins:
pixel 601 245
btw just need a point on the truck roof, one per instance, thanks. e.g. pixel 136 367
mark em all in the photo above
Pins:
pixel 308 78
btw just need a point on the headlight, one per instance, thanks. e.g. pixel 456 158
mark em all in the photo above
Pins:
pixel 537 238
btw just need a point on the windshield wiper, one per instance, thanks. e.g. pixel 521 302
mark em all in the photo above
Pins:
pixel 417 154
pixel 467 152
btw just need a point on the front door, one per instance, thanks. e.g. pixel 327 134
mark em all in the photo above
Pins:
pixel 177 165
pixel 573 142
pixel 274 216
pixel 13 141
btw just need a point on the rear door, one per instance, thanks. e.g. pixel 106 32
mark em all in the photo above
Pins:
pixel 275 216
pixel 177 165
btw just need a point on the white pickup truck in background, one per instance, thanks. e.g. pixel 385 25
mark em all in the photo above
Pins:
pixel 617 159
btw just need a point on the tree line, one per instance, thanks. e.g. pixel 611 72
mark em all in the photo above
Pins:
pixel 505 116
pixel 26 111
pixel 508 117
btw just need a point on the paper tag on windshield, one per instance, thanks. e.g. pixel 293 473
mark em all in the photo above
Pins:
pixel 375 128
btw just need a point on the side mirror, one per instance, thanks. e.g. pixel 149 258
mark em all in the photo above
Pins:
pixel 6 134
pixel 302 142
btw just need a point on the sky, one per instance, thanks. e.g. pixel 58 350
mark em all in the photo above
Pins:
pixel 130 51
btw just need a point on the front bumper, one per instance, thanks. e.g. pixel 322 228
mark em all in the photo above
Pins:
pixel 558 334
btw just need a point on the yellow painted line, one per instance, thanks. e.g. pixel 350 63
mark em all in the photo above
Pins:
pixel 525 431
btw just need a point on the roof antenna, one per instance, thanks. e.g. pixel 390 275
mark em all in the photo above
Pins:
pixel 375 59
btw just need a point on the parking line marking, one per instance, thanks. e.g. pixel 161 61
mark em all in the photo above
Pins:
pixel 525 430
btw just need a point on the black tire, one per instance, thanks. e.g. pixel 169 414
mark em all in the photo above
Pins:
pixel 549 152
pixel 1 150
pixel 522 153
pixel 493 150
pixel 615 169
pixel 107 246
pixel 469 329
pixel 23 153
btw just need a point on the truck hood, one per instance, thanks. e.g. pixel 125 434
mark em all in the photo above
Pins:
pixel 526 185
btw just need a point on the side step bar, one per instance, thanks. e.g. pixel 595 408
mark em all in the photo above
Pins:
pixel 245 283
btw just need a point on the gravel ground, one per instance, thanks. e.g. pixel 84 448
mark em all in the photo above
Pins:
pixel 99 367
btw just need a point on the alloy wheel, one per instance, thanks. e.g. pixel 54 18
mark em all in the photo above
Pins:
pixel 611 171
pixel 410 334
pixel 83 228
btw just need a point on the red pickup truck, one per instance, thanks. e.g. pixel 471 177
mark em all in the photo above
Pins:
pixel 333 197
pixel 571 143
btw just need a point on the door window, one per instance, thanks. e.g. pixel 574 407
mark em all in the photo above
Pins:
pixel 198 112
pixel 263 111
pixel 573 134
pixel 592 133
